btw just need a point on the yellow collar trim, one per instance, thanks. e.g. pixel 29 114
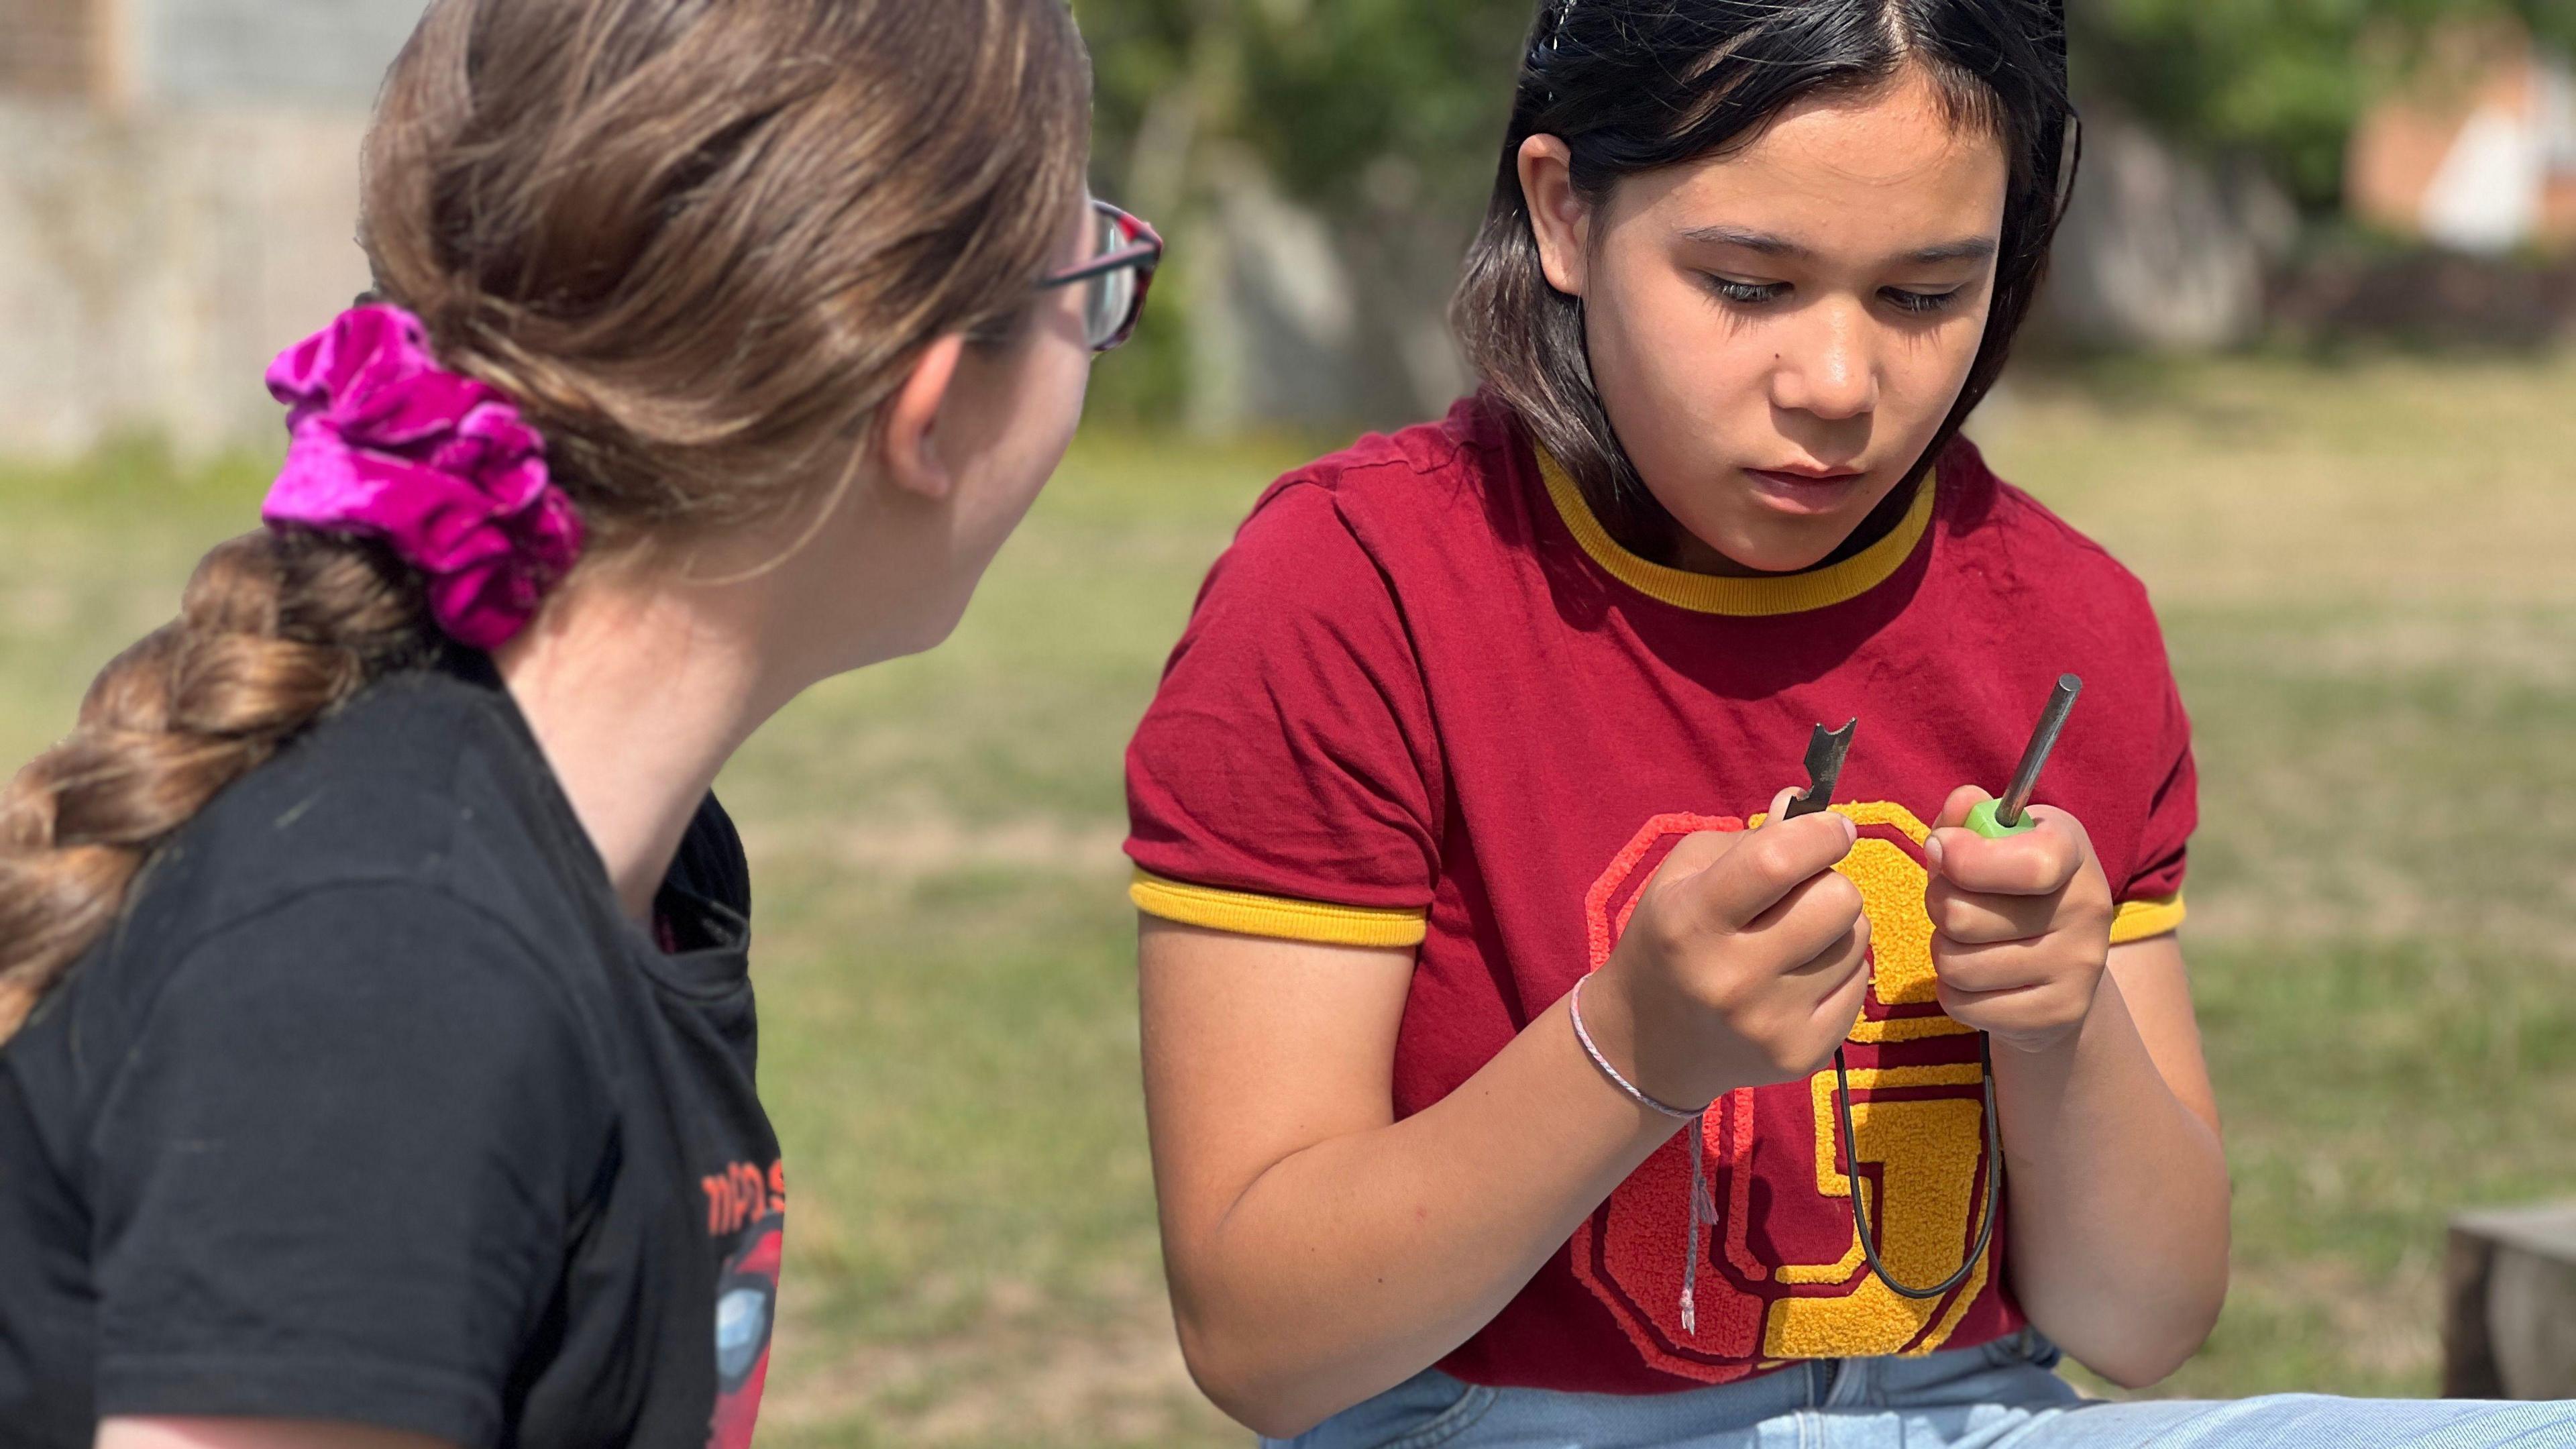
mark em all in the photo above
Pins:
pixel 1709 594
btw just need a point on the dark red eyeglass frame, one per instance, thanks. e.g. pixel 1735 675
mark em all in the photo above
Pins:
pixel 1143 251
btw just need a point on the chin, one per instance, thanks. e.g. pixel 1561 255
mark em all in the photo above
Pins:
pixel 1776 550
pixel 913 636
pixel 933 633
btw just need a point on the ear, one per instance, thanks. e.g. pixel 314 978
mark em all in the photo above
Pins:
pixel 908 428
pixel 1559 216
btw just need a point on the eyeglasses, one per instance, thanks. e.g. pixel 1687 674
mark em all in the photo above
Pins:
pixel 1117 277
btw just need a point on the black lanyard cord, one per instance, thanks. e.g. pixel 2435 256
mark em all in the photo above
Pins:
pixel 1860 1212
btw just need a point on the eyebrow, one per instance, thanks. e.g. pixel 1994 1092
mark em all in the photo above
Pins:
pixel 1965 249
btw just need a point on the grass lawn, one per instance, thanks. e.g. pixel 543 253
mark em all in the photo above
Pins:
pixel 2364 575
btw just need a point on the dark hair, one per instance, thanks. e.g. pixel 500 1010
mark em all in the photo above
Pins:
pixel 1632 86
pixel 697 244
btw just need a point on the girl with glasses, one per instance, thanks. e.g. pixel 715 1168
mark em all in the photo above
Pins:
pixel 379 1034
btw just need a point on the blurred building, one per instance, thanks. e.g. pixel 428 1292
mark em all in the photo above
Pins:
pixel 2478 156
pixel 54 48
pixel 121 52
pixel 178 198
pixel 2162 250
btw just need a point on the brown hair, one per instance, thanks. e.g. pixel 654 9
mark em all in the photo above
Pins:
pixel 1633 86
pixel 698 243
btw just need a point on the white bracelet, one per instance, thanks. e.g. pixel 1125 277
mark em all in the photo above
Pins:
pixel 1626 1088
pixel 1703 1204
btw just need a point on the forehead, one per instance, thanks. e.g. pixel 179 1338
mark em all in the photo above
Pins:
pixel 1875 172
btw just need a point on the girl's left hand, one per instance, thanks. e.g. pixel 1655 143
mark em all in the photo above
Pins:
pixel 2021 926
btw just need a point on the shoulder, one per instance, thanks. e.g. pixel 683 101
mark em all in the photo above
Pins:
pixel 414 818
pixel 1291 752
pixel 1397 524
pixel 379 959
pixel 1461 443
pixel 1415 491
pixel 2032 587
pixel 413 781
pixel 385 787
pixel 318 991
pixel 2004 538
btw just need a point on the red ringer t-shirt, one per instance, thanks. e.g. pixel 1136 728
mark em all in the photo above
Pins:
pixel 1425 700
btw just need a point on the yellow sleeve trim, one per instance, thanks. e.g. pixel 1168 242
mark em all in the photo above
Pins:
pixel 2143 920
pixel 1278 916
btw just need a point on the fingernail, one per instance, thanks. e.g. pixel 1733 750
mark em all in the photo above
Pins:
pixel 1932 850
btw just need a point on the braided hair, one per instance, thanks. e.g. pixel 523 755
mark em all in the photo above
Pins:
pixel 696 245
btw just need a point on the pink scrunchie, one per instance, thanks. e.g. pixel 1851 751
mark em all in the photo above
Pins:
pixel 387 444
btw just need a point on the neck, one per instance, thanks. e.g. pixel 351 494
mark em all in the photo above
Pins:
pixel 638 696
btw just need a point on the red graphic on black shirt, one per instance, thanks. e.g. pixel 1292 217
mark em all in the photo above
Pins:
pixel 743 1194
pixel 743 1199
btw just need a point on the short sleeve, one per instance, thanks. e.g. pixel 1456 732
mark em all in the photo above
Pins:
pixel 336 1177
pixel 2150 901
pixel 1283 781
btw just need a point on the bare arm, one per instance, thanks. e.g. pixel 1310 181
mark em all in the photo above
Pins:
pixel 1320 1251
pixel 172 1433
pixel 2119 1186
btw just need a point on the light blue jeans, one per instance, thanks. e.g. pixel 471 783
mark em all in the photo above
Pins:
pixel 2001 1395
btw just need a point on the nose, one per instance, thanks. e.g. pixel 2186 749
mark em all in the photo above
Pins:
pixel 1827 367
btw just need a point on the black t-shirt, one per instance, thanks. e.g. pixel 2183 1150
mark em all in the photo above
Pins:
pixel 375 1107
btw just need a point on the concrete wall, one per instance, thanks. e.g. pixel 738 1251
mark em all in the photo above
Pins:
pixel 179 212
pixel 150 266
pixel 271 52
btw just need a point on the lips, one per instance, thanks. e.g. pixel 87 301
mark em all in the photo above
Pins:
pixel 1802 491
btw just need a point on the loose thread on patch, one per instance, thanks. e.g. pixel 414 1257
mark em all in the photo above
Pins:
pixel 1703 1216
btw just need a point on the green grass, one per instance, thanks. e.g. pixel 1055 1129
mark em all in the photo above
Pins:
pixel 2362 572
pixel 2363 577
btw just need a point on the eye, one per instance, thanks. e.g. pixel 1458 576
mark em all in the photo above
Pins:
pixel 1921 303
pixel 1746 294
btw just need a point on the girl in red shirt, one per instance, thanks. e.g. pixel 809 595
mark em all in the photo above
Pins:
pixel 1501 706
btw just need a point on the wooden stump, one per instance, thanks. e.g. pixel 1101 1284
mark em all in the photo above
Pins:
pixel 2509 1311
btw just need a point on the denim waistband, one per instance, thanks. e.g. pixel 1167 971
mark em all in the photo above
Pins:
pixel 1432 1409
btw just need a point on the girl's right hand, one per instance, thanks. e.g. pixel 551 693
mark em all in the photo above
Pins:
pixel 1321 1249
pixel 1744 964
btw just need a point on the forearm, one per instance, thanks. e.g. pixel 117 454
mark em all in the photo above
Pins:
pixel 1320 1253
pixel 2119 1198
pixel 1353 1264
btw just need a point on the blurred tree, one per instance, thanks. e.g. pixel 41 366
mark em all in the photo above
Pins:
pixel 1384 115
pixel 1321 89
pixel 1373 112
pixel 2282 81
pixel 1318 91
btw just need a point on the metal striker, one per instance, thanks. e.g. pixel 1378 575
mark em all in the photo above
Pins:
pixel 1826 750
pixel 1993 819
